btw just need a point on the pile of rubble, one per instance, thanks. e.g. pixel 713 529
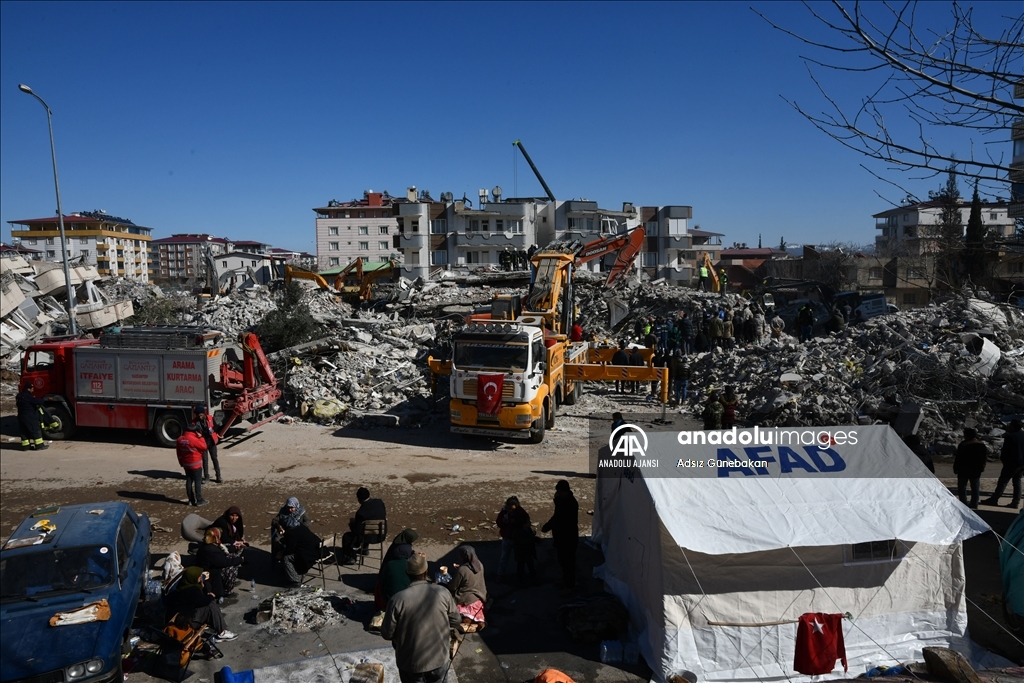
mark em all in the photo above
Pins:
pixel 33 303
pixel 302 609
pixel 961 362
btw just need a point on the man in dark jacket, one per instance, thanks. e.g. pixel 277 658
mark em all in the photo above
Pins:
pixel 301 550
pixel 564 526
pixel 620 357
pixel 369 509
pixel 418 621
pixel 637 361
pixel 968 464
pixel 29 420
pixel 685 326
pixel 1012 457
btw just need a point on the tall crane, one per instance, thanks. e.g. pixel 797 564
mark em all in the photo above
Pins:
pixel 519 144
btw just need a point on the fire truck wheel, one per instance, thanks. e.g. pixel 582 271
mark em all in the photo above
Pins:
pixel 65 425
pixel 168 427
pixel 537 430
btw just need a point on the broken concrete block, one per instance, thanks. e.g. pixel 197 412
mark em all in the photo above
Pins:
pixel 949 665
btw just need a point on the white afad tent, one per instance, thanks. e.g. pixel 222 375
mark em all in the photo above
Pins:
pixel 716 565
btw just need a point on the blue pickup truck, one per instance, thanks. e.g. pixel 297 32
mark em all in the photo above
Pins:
pixel 70 581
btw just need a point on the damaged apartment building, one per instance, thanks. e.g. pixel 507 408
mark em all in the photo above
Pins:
pixel 430 235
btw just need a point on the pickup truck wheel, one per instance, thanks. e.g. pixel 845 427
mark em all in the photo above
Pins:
pixel 168 427
pixel 538 428
pixel 66 425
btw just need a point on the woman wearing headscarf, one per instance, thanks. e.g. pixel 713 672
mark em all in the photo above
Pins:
pixel 190 599
pixel 232 529
pixel 291 515
pixel 469 589
pixel 392 577
pixel 215 558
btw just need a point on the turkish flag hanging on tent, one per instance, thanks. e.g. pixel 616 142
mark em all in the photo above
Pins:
pixel 819 643
pixel 488 393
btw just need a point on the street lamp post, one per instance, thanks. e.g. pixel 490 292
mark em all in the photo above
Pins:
pixel 72 323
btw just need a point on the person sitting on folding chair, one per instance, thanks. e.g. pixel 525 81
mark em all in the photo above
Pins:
pixel 301 549
pixel 189 599
pixel 353 540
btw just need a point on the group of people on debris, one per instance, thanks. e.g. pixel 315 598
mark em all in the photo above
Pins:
pixel 196 447
pixel 513 259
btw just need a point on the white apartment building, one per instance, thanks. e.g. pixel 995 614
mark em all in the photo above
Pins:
pixel 363 228
pixel 243 269
pixel 912 229
pixel 181 258
pixel 115 246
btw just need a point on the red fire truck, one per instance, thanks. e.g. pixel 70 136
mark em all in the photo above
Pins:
pixel 150 378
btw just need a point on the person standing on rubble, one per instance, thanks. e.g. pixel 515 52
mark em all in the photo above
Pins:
pixel 704 275
pixel 728 330
pixel 204 421
pixel 759 326
pixel 685 327
pixel 30 420
pixel 564 526
pixel 729 402
pixel 712 412
pixel 805 320
pixel 968 464
pixel 679 376
pixel 659 361
pixel 716 328
pixel 620 357
pixel 1012 457
pixel 778 325
pixel 723 281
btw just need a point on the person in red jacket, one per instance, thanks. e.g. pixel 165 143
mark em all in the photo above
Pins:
pixel 190 447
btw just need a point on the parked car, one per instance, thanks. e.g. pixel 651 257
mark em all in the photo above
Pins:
pixel 62 559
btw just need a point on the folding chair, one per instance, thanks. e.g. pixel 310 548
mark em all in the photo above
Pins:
pixel 320 566
pixel 375 532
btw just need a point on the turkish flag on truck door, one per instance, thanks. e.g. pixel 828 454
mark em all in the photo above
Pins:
pixel 819 643
pixel 488 393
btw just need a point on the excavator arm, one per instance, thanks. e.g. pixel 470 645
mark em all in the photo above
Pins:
pixel 706 262
pixel 291 273
pixel 369 278
pixel 356 266
pixel 628 245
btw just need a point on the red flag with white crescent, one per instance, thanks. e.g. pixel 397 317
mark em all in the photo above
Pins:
pixel 488 393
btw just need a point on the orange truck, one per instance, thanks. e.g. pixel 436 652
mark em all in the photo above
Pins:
pixel 150 378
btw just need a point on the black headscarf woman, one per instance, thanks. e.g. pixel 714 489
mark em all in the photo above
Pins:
pixel 392 577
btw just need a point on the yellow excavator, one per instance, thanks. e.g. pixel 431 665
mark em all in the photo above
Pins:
pixel 706 262
pixel 292 273
pixel 356 280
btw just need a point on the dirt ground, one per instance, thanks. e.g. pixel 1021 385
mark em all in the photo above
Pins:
pixel 430 480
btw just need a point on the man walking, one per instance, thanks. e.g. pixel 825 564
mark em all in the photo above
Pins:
pixel 564 526
pixel 418 622
pixel 190 447
pixel 968 464
pixel 1012 457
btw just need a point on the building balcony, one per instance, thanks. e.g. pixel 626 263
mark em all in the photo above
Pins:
pixel 516 240
pixel 413 240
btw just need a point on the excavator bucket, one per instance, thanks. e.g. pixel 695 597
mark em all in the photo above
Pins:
pixel 626 256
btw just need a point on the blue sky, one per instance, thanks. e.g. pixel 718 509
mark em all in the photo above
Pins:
pixel 238 119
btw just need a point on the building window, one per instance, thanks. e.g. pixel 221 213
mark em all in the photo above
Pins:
pixel 874 273
pixel 439 226
pixel 50 253
pixel 382 245
pixel 332 230
pixel 573 223
pixel 334 261
pixel 906 217
pixel 650 259
pixel 474 226
pixel 364 246
pixel 910 298
pixel 362 214
pixel 515 227
pixel 364 229
pixel 439 258
pixel 85 252
pixel 364 259
pixel 49 240
pixel 993 216
pixel 499 225
pixel 223 264
pixel 590 225
pixel 916 273
pixel 473 257
pixel 382 230
pixel 652 228
pixel 83 240
pixel 332 246
pixel 874 551
pixel 415 226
